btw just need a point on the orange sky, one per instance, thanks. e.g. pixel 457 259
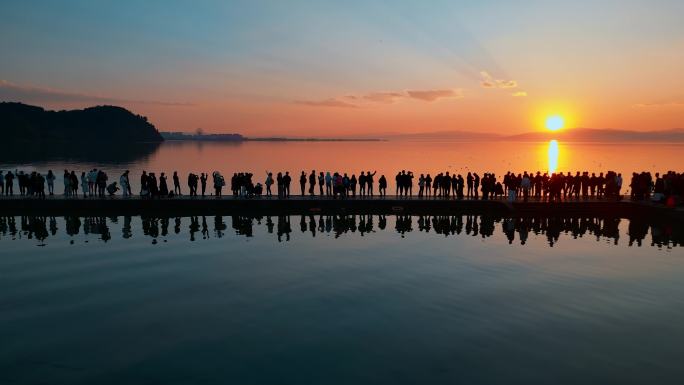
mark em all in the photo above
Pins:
pixel 357 69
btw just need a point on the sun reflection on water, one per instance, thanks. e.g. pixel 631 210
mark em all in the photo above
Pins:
pixel 553 156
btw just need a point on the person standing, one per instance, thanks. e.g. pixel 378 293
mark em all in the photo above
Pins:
pixel 84 184
pixel 176 183
pixel 328 184
pixel 40 186
pixel 50 179
pixel 321 182
pixel 525 184
pixel 369 181
pixel 280 185
pixel 67 182
pixel 123 183
pixel 163 187
pixel 128 183
pixel 2 183
pixel 218 183
pixel 203 180
pixel 362 184
pixel 302 182
pixel 144 188
pixel 312 182
pixel 9 183
pixel 618 185
pixel 352 185
pixel 287 179
pixel 92 178
pixel 421 185
pixel 382 186
pixel 269 183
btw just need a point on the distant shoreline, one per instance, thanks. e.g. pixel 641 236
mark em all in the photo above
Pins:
pixel 237 138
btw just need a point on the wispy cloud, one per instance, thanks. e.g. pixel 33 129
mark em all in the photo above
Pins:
pixel 488 81
pixel 519 94
pixel 434 95
pixel 384 97
pixel 659 105
pixel 332 102
pixel 30 94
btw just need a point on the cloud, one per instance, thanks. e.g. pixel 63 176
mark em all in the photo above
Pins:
pixel 519 94
pixel 29 94
pixel 489 82
pixel 659 105
pixel 384 97
pixel 332 102
pixel 434 95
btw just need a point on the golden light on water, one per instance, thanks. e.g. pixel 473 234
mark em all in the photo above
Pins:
pixel 553 156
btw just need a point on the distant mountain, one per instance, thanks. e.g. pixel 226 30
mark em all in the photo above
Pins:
pixel 22 123
pixel 567 135
pixel 184 136
pixel 451 135
pixel 602 135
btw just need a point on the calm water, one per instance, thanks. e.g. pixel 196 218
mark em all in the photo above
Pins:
pixel 352 157
pixel 340 300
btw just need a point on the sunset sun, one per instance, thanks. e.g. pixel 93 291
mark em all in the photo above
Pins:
pixel 555 123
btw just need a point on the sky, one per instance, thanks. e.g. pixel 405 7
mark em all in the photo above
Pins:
pixel 352 68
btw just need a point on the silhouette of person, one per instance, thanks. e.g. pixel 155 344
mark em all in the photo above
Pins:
pixel 382 186
pixel 302 182
pixel 287 179
pixel 176 183
pixel 369 181
pixel 203 180
pixel 312 182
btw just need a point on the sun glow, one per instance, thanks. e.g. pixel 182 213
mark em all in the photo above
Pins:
pixel 555 123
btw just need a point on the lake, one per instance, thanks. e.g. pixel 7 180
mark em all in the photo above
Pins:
pixel 345 299
pixel 352 157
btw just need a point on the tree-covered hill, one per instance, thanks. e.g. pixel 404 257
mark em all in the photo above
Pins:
pixel 22 123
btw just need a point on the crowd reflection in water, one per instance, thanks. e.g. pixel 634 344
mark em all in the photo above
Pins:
pixel 515 229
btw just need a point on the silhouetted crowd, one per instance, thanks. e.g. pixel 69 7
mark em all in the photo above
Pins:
pixel 667 188
pixel 662 234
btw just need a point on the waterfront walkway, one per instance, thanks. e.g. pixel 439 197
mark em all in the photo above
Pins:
pixel 135 205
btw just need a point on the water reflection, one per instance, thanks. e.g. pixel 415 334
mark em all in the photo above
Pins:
pixel 516 230
pixel 87 155
pixel 553 156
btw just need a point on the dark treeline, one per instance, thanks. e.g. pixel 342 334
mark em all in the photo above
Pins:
pixel 667 187
pixel 516 229
pixel 99 126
